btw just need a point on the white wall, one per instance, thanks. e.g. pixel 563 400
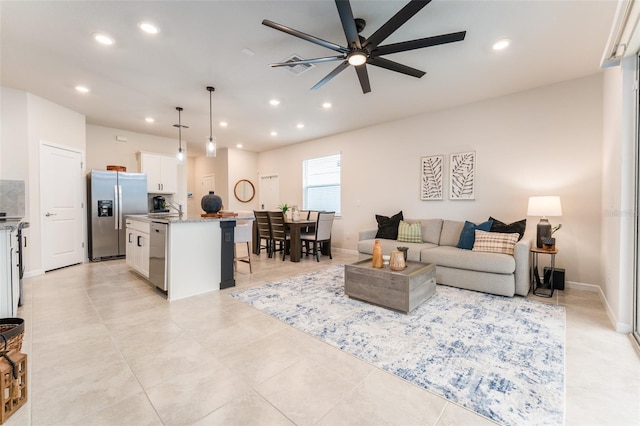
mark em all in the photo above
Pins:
pixel 545 141
pixel 104 149
pixel 618 210
pixel 242 165
pixel 27 122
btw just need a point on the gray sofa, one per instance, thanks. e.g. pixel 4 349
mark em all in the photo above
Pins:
pixel 495 273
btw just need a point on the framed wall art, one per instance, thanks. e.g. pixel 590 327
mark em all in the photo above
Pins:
pixel 462 176
pixel 431 169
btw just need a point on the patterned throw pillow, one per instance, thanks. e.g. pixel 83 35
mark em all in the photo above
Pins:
pixel 495 242
pixel 409 232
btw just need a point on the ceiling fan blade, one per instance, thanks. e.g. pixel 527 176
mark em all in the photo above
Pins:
pixel 332 74
pixel 305 36
pixel 363 76
pixel 308 61
pixel 419 43
pixel 348 23
pixel 394 23
pixel 394 66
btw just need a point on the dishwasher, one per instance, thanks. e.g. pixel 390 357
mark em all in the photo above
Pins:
pixel 158 255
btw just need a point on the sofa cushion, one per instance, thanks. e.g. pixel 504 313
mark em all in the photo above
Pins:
pixel 495 242
pixel 431 229
pixel 453 257
pixel 468 234
pixel 451 230
pixel 502 227
pixel 409 232
pixel 388 226
pixel 366 247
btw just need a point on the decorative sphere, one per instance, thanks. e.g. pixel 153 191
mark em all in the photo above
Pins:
pixel 211 203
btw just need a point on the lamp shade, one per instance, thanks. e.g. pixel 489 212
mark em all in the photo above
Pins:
pixel 544 206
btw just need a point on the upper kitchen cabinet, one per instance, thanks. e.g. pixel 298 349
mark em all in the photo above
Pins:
pixel 162 172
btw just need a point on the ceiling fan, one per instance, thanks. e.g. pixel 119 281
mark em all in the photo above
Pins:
pixel 361 51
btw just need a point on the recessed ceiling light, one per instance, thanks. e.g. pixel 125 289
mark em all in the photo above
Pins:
pixel 300 126
pixel 103 39
pixel 274 102
pixel 223 124
pixel 326 105
pixel 273 133
pixel 501 44
pixel 148 28
pixel 82 89
pixel 149 120
pixel 239 145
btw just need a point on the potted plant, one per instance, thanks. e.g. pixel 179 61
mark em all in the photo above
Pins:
pixel 549 243
pixel 285 208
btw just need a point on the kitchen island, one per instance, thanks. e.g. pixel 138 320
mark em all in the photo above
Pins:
pixel 197 256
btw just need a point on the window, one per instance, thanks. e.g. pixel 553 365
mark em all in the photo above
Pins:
pixel 321 184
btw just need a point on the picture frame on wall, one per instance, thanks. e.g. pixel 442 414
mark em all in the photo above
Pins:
pixel 431 176
pixel 462 176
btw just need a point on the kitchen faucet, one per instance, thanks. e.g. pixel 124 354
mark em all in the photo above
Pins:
pixel 177 207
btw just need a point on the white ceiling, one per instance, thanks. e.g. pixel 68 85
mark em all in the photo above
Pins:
pixel 47 49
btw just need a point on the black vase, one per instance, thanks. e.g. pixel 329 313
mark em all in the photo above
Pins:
pixel 211 203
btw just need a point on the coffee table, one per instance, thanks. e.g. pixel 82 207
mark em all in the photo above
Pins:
pixel 400 290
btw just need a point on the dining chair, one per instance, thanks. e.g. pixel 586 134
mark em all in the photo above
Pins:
pixel 322 233
pixel 242 234
pixel 311 229
pixel 279 233
pixel 264 231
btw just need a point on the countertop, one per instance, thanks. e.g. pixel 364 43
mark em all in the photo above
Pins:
pixel 12 224
pixel 174 218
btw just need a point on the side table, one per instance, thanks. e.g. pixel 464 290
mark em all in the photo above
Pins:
pixel 539 285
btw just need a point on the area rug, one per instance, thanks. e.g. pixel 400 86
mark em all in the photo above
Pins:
pixel 500 357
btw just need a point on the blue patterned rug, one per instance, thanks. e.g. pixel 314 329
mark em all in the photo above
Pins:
pixel 500 357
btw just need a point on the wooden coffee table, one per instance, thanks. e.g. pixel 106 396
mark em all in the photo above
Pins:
pixel 399 290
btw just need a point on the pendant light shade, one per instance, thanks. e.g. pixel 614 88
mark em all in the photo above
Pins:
pixel 210 147
pixel 181 153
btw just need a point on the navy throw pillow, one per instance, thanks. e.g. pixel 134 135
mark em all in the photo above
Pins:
pixel 388 226
pixel 511 228
pixel 468 234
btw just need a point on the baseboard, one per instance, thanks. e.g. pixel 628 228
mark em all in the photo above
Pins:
pixel 582 286
pixel 345 251
pixel 34 273
pixel 620 327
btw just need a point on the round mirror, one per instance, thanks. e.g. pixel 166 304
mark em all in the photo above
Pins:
pixel 244 191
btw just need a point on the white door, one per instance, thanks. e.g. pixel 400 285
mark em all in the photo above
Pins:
pixel 61 207
pixel 208 184
pixel 269 192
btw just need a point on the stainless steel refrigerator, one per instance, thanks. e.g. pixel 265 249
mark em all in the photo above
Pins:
pixel 111 196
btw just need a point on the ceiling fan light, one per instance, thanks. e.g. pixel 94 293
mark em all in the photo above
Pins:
pixel 356 58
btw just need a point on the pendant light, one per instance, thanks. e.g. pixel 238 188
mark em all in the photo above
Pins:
pixel 181 153
pixel 210 147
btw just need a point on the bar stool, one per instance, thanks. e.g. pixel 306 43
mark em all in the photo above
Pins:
pixel 242 234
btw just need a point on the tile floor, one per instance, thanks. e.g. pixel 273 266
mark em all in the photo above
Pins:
pixel 106 349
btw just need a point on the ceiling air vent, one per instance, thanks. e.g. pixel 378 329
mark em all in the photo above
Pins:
pixel 299 68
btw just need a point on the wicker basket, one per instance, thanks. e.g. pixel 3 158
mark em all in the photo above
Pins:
pixel 12 332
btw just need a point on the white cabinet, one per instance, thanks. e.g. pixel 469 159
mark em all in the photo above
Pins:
pixel 9 273
pixel 138 246
pixel 162 172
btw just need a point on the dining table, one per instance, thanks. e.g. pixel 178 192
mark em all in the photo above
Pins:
pixel 295 230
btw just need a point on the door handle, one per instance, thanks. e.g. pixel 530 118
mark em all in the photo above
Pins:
pixel 51 214
pixel 139 237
